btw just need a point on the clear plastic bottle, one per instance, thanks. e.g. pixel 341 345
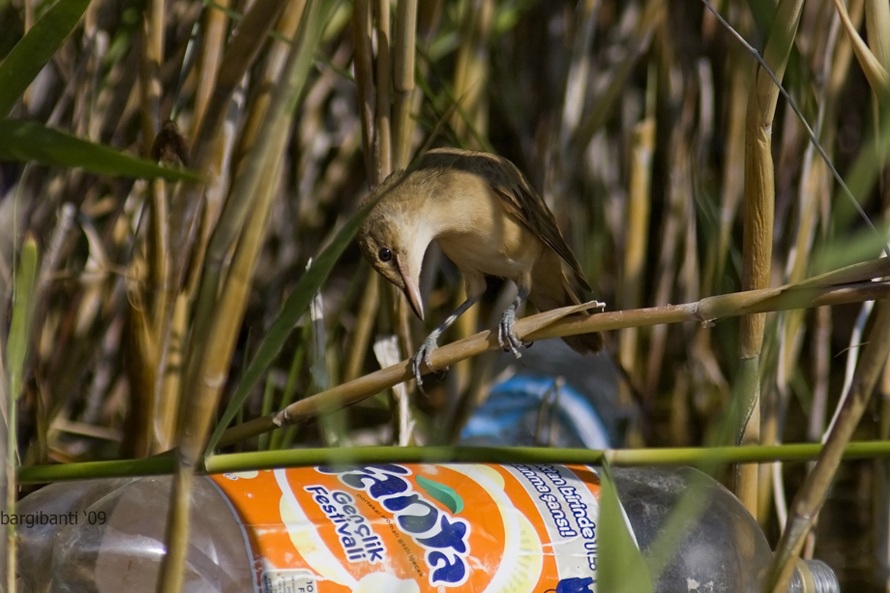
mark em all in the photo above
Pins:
pixel 399 528
pixel 108 535
pixel 722 550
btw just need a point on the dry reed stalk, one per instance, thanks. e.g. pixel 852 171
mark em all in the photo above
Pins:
pixel 732 180
pixel 191 204
pixel 877 21
pixel 671 256
pixel 758 219
pixel 189 220
pixel 141 344
pixel 236 211
pixel 150 84
pixel 812 493
pixel 635 245
pixel 577 77
pixel 844 286
pixel 404 86
pixel 708 384
pixel 242 220
pixel 361 333
pixel 650 19
pixel 214 23
pixel 383 87
pixel 364 82
pixel 469 121
pixel 208 362
pixel 266 80
pixel 812 224
pixel 564 157
pixel 812 198
pixel 385 82
pixel 147 300
pixel 876 72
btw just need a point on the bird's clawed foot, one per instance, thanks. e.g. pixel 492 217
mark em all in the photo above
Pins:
pixel 422 357
pixel 507 337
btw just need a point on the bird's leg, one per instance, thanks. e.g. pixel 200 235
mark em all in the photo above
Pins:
pixel 422 357
pixel 507 337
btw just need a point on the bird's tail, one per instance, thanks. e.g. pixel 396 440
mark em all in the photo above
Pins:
pixel 553 290
pixel 584 343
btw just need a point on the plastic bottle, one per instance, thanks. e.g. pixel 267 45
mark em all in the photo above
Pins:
pixel 552 396
pixel 393 528
pixel 722 550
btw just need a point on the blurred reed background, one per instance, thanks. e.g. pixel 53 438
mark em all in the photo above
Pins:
pixel 159 304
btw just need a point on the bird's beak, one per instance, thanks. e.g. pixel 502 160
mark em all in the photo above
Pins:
pixel 411 289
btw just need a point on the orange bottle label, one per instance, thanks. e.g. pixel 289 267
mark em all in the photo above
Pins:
pixel 415 528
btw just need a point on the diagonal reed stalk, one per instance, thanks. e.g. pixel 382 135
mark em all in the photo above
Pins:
pixel 812 494
pixel 848 285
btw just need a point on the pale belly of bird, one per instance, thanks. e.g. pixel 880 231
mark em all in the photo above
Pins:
pixel 508 259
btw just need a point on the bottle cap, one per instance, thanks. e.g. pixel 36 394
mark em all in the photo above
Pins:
pixel 815 577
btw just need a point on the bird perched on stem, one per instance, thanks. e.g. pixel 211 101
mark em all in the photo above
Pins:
pixel 489 221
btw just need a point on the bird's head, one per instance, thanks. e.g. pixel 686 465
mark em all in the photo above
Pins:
pixel 394 242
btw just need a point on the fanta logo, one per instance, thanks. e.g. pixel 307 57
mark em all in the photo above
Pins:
pixel 443 537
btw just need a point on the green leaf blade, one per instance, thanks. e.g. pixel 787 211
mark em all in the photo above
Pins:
pixel 22 307
pixel 293 308
pixel 621 567
pixel 27 141
pixel 35 49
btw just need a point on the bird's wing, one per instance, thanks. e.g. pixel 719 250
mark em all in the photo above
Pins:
pixel 517 196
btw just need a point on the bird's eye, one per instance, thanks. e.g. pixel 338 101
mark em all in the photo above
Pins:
pixel 384 254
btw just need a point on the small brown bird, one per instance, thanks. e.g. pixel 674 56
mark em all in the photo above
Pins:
pixel 489 221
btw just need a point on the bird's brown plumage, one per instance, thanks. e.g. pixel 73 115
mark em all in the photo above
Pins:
pixel 517 197
pixel 487 219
